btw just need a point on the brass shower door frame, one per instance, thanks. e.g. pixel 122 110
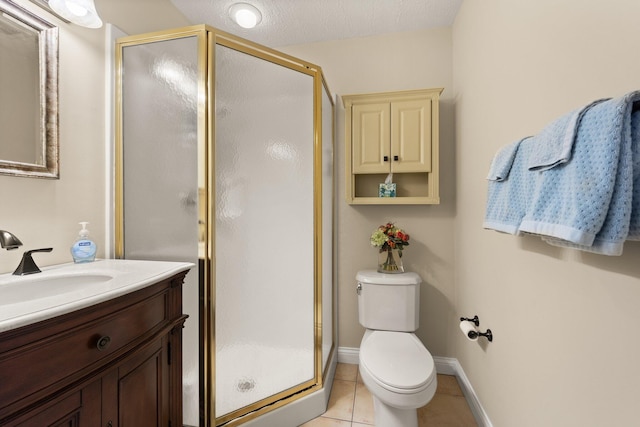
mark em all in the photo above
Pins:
pixel 208 38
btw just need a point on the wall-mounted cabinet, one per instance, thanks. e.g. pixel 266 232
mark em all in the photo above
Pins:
pixel 392 132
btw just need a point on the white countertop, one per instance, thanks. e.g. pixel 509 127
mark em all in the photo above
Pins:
pixel 64 288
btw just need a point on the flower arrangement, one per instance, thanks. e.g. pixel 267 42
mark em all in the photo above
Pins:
pixel 388 236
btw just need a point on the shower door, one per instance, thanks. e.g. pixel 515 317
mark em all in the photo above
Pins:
pixel 161 85
pixel 225 159
pixel 264 243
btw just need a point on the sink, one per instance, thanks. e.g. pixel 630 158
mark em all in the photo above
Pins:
pixel 64 288
pixel 43 287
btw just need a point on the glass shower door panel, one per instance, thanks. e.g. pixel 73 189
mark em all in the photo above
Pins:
pixel 327 227
pixel 160 173
pixel 160 150
pixel 264 226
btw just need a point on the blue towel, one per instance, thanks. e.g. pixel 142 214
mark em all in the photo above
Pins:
pixel 623 219
pixel 502 162
pixel 588 201
pixel 634 223
pixel 508 197
pixel 554 144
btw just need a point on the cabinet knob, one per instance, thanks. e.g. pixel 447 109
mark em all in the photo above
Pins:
pixel 385 158
pixel 103 343
pixel 109 424
pixel 395 158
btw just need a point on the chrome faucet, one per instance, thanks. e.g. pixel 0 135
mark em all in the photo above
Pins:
pixel 9 241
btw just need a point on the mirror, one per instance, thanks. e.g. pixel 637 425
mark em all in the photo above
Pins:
pixel 28 94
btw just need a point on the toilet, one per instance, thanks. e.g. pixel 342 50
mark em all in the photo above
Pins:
pixel 395 366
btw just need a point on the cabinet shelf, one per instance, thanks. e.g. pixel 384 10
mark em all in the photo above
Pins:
pixel 392 132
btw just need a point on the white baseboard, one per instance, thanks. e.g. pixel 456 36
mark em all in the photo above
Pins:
pixel 451 366
pixel 348 355
pixel 445 366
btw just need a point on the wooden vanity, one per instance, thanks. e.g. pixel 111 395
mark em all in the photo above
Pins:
pixel 117 363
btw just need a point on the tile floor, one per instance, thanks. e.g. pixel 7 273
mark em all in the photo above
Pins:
pixel 351 405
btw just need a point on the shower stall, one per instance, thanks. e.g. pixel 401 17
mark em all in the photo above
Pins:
pixel 224 157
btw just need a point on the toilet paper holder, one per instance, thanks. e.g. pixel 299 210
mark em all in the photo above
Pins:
pixel 474 320
pixel 475 334
pixel 488 334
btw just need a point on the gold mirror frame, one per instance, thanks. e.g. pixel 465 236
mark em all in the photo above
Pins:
pixel 47 108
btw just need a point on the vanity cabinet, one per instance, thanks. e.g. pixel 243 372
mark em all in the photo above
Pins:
pixel 114 364
pixel 392 132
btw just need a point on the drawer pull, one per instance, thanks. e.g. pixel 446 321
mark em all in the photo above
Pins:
pixel 103 342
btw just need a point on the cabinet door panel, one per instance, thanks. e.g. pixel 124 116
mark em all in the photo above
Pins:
pixel 411 136
pixel 78 409
pixel 143 390
pixel 371 138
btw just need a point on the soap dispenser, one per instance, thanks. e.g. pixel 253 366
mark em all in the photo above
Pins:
pixel 84 249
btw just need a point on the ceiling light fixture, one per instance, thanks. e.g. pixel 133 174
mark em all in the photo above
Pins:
pixel 80 12
pixel 245 15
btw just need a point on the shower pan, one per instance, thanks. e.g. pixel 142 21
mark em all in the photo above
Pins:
pixel 224 157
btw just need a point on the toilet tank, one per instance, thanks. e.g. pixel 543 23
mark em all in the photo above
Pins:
pixel 388 302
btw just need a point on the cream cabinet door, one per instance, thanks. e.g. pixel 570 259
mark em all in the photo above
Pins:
pixel 370 139
pixel 411 136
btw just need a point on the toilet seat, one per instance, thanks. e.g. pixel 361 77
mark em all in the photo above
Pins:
pixel 397 361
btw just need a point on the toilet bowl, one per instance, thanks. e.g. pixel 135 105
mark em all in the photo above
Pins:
pixel 395 366
pixel 400 374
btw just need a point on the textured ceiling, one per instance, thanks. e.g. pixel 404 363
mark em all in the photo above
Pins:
pixel 287 22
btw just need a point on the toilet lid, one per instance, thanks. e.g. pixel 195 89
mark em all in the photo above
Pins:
pixel 397 359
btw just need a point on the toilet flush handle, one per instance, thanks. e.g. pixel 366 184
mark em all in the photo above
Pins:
pixel 359 288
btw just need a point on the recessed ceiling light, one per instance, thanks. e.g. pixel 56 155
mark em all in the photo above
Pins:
pixel 245 15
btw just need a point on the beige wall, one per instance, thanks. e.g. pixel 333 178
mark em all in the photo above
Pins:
pixel 565 350
pixel 402 61
pixel 45 213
